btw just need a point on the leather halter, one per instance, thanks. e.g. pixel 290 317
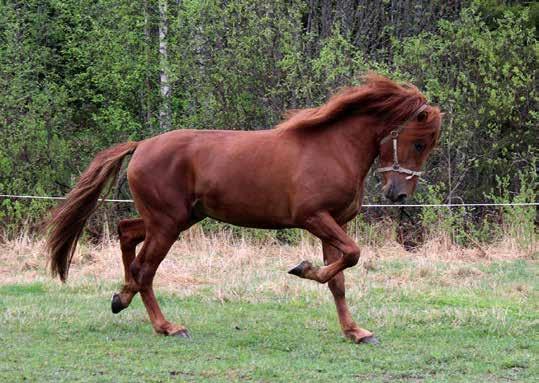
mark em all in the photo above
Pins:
pixel 394 135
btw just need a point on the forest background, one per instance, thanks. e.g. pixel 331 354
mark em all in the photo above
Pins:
pixel 79 76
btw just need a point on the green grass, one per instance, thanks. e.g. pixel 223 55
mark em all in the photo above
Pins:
pixel 429 331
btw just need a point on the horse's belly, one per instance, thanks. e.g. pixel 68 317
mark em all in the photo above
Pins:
pixel 262 211
pixel 254 222
pixel 240 217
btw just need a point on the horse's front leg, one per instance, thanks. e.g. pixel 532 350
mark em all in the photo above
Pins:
pixel 337 287
pixel 330 232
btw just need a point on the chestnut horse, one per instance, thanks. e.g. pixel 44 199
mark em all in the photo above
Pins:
pixel 306 173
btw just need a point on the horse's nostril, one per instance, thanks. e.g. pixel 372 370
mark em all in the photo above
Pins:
pixel 390 191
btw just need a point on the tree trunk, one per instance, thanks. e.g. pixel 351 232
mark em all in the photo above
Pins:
pixel 148 91
pixel 164 84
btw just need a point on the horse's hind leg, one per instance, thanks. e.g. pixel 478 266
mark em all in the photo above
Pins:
pixel 131 233
pixel 160 235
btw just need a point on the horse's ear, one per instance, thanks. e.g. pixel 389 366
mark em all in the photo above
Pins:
pixel 436 138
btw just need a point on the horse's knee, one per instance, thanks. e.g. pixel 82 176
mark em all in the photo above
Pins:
pixel 351 258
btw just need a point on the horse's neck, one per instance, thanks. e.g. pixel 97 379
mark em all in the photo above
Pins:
pixel 358 136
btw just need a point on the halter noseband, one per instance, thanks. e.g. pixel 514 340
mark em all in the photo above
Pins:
pixel 394 135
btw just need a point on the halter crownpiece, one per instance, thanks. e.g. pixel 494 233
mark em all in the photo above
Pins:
pixel 394 135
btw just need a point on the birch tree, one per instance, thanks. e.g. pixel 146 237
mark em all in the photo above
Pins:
pixel 164 69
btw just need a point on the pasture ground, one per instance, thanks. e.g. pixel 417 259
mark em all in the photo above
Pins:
pixel 441 314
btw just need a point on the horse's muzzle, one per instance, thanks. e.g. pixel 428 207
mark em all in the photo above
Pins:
pixel 394 194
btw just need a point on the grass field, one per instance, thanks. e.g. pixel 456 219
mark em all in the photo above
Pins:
pixel 441 315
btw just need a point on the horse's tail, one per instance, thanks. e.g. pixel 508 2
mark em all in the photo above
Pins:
pixel 66 222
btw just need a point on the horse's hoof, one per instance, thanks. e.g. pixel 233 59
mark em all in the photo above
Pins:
pixel 182 334
pixel 370 340
pixel 300 269
pixel 116 304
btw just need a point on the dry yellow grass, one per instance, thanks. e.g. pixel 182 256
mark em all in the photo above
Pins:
pixel 233 268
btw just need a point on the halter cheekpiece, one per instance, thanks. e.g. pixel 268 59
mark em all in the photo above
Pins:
pixel 394 135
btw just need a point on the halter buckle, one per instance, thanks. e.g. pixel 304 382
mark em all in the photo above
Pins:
pixel 394 134
pixel 396 166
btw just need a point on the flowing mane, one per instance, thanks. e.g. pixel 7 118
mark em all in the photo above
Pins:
pixel 378 96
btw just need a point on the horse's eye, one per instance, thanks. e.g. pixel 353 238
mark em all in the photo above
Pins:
pixel 419 146
pixel 422 116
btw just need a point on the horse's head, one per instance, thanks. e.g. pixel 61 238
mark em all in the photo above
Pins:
pixel 404 151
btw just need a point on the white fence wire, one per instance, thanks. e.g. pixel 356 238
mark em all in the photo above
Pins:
pixel 448 205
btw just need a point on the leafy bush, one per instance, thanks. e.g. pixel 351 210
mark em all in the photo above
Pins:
pixel 78 76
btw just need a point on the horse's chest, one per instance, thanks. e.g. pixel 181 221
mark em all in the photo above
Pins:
pixel 349 206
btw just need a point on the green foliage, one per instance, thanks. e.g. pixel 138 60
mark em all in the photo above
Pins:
pixel 441 222
pixel 519 221
pixel 493 10
pixel 484 79
pixel 78 76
